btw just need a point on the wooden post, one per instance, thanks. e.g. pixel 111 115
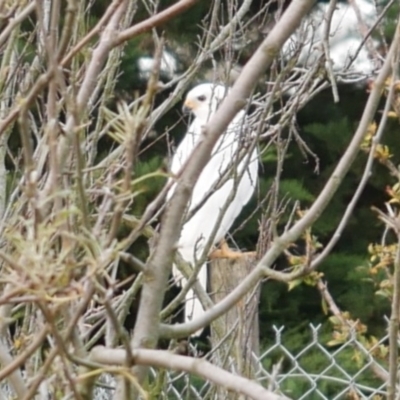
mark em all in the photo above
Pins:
pixel 235 336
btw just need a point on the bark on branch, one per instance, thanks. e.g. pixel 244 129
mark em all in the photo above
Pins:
pixel 146 331
pixel 281 243
pixel 196 366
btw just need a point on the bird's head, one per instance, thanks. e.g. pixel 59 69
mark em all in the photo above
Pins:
pixel 203 100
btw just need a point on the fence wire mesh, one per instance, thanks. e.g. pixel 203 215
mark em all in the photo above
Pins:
pixel 310 370
pixel 317 371
pixel 350 370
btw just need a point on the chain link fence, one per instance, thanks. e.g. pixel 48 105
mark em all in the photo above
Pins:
pixel 346 371
pixel 307 370
pixel 315 371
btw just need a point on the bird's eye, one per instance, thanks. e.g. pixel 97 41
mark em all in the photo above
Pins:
pixel 201 98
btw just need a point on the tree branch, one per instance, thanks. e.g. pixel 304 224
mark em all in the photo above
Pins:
pixel 146 330
pixel 16 21
pixel 196 366
pixel 281 243
pixel 156 20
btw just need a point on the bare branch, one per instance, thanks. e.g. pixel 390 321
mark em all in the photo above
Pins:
pixel 199 367
pixel 278 245
pixel 20 17
pixel 155 20
pixel 159 264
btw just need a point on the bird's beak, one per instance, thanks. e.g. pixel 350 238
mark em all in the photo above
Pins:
pixel 187 107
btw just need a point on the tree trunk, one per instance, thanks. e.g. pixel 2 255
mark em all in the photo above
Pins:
pixel 235 336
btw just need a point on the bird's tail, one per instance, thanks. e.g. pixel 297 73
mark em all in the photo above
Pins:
pixel 193 307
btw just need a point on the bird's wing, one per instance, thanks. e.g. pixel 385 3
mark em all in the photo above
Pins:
pixel 217 192
pixel 223 158
pixel 211 198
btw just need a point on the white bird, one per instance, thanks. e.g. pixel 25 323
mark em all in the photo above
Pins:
pixel 229 193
